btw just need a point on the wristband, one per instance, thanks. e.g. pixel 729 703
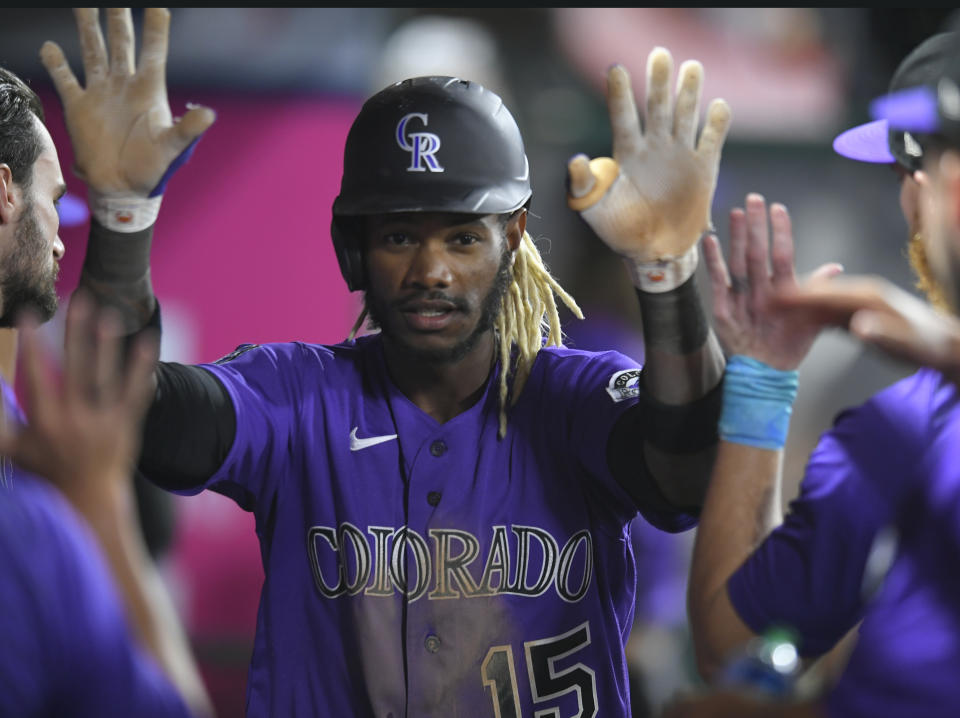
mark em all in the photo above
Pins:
pixel 757 403
pixel 124 213
pixel 663 275
pixel 674 321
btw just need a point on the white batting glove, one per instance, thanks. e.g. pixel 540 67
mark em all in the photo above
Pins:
pixel 650 203
pixel 124 136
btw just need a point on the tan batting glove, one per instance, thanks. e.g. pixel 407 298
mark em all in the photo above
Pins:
pixel 651 202
pixel 123 133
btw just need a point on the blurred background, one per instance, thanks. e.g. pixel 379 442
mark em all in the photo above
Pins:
pixel 242 250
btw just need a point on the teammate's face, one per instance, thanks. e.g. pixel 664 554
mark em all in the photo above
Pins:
pixel 31 251
pixel 940 212
pixel 436 280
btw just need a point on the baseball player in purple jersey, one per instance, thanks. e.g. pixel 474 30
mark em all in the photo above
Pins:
pixel 73 644
pixel 443 505
pixel 904 446
pixel 810 571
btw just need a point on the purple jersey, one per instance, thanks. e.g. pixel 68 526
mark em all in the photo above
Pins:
pixel 514 553
pixel 67 649
pixel 810 573
pixel 907 658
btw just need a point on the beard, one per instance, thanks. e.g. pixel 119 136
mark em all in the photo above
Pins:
pixel 24 286
pixel 489 311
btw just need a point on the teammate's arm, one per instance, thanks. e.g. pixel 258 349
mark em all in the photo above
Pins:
pixel 126 144
pixel 650 203
pixel 83 437
pixel 743 500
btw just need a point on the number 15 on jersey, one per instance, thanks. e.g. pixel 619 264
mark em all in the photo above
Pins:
pixel 547 683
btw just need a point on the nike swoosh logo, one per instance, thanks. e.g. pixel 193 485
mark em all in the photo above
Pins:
pixel 358 444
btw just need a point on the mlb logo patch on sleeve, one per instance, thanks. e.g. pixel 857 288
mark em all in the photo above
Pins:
pixel 242 349
pixel 624 385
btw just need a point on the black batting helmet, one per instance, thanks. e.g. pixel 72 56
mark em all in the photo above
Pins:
pixel 427 144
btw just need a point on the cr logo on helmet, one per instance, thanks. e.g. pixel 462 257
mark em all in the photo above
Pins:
pixel 422 146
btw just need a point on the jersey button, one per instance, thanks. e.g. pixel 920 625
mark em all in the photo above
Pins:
pixel 433 498
pixel 438 448
pixel 432 643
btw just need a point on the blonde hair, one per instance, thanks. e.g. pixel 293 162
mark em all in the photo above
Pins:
pixel 527 313
pixel 926 282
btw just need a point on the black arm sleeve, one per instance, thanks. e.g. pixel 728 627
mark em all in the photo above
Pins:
pixel 189 429
pixel 685 429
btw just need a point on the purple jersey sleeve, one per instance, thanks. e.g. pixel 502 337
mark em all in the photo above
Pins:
pixel 67 649
pixel 809 572
pixel 584 394
pixel 265 384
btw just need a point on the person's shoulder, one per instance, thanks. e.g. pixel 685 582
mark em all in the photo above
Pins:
pixel 298 353
pixel 565 372
pixel 889 426
pixel 905 397
pixel 555 357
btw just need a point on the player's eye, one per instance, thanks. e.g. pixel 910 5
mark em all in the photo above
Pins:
pixel 396 239
pixel 465 239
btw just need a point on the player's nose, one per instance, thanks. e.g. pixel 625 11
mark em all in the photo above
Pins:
pixel 429 266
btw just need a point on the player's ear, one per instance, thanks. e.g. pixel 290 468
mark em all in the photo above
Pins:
pixel 9 193
pixel 516 226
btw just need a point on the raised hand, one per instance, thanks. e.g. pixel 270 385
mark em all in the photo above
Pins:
pixel 651 201
pixel 879 313
pixel 744 319
pixel 124 135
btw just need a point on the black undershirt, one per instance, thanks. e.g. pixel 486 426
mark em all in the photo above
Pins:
pixel 191 427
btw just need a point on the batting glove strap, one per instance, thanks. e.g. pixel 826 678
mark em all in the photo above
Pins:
pixel 757 403
pixel 665 274
pixel 124 213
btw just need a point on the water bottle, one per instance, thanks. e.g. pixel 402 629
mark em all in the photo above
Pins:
pixel 768 665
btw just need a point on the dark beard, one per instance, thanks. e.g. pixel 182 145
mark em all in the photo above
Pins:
pixel 21 284
pixel 489 310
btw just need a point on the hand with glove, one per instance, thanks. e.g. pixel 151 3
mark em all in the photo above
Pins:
pixel 650 203
pixel 125 139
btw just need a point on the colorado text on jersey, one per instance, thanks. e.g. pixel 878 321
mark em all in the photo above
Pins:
pixel 346 561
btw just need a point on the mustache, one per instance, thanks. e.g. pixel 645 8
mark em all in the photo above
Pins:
pixel 436 296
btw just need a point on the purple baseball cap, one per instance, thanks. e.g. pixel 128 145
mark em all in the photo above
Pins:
pixel 876 141
pixel 932 113
pixel 866 143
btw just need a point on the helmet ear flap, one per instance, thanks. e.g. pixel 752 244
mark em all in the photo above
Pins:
pixel 346 244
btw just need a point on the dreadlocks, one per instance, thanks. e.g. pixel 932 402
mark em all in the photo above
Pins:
pixel 528 312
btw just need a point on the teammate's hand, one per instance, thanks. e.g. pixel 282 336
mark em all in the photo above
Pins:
pixel 123 133
pixel 880 313
pixel 652 201
pixel 745 321
pixel 83 433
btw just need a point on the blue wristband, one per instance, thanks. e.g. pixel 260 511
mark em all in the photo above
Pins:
pixel 757 403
